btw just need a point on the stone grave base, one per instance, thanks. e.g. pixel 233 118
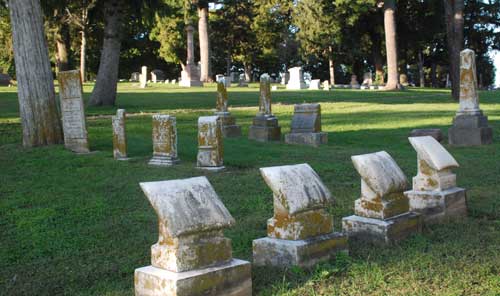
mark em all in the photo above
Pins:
pixel 123 158
pixel 439 206
pixel 382 232
pixel 265 129
pixel 231 279
pixel 470 130
pixel 303 253
pixel 310 139
pixel 190 83
pixel 231 131
pixel 436 133
pixel 211 169
pixel 163 161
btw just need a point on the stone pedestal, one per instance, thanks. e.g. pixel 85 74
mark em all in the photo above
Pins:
pixel 269 251
pixel 190 76
pixel 210 144
pixel 231 279
pixel 296 79
pixel 306 126
pixel 229 127
pixel 379 231
pixel 439 206
pixel 164 141
pixel 301 231
pixel 265 129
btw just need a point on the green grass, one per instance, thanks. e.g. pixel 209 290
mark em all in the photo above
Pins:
pixel 80 225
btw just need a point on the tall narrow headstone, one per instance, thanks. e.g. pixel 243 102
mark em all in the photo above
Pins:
pixel 435 193
pixel 119 135
pixel 210 143
pixel 164 140
pixel 73 112
pixel 306 126
pixel 265 125
pixel 190 75
pixel 301 231
pixel 382 212
pixel 470 125
pixel 229 127
pixel 192 256
pixel 296 80
pixel 143 78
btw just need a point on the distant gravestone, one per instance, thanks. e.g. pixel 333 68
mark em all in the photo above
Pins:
pixel 285 76
pixel 354 81
pixel 314 84
pixel 157 76
pixel 135 77
pixel 73 113
pixel 306 126
pixel 192 256
pixel 229 127
pixel 119 135
pixel 326 85
pixel 265 125
pixel 235 77
pixel 382 212
pixel 470 125
pixel 164 141
pixel 403 79
pixel 296 80
pixel 143 80
pixel 242 82
pixel 367 79
pixel 301 231
pixel 435 193
pixel 210 144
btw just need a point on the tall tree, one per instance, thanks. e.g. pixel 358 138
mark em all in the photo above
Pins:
pixel 454 15
pixel 104 92
pixel 206 68
pixel 389 7
pixel 37 103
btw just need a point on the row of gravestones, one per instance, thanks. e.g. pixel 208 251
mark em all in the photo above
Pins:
pixel 192 256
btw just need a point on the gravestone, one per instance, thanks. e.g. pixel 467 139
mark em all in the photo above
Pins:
pixel 119 135
pixel 326 85
pixel 301 231
pixel 296 80
pixel 367 79
pixel 435 193
pixel 143 78
pixel 242 82
pixel 210 144
pixel 306 126
pixel 192 255
pixel 354 82
pixel 436 133
pixel 265 125
pixel 73 112
pixel 470 125
pixel 285 76
pixel 235 77
pixel 382 212
pixel 164 140
pixel 167 81
pixel 314 84
pixel 190 74
pixel 135 77
pixel 157 76
pixel 174 81
pixel 403 79
pixel 229 127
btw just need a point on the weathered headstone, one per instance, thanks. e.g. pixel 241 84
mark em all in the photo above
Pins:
pixel 403 79
pixel 242 82
pixel 157 75
pixel 265 125
pixel 306 126
pixel 174 81
pixel 285 76
pixel 135 77
pixel 296 80
pixel 326 85
pixel 354 82
pixel 190 75
pixel 192 256
pixel 164 140
pixel 235 77
pixel 382 212
pixel 367 79
pixel 314 84
pixel 119 135
pixel 436 133
pixel 470 125
pixel 435 193
pixel 73 112
pixel 229 127
pixel 301 230
pixel 143 78
pixel 210 144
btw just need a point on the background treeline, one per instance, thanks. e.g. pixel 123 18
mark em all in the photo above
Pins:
pixel 259 36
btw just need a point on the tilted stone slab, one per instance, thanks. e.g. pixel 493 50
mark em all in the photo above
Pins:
pixel 433 153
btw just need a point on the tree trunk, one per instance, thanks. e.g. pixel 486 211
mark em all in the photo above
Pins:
pixel 331 66
pixel 83 54
pixel 62 46
pixel 421 73
pixel 104 92
pixel 455 38
pixel 248 72
pixel 205 75
pixel 37 102
pixel 391 45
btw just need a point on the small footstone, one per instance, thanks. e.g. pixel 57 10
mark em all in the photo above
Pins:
pixel 436 133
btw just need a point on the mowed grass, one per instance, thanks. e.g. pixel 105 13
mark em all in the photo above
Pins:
pixel 80 225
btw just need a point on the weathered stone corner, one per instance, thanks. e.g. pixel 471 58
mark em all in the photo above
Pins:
pixel 301 230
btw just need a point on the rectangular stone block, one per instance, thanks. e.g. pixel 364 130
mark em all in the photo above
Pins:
pixel 470 136
pixel 470 121
pixel 264 134
pixel 163 160
pixel 231 279
pixel 309 139
pixel 439 206
pixel 265 121
pixel 392 205
pixel 304 253
pixel 300 226
pixel 382 232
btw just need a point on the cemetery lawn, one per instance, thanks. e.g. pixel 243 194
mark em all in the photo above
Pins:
pixel 79 224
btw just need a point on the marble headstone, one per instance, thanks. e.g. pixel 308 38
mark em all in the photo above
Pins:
pixel 119 135
pixel 143 78
pixel 296 80
pixel 164 140
pixel 306 126
pixel 210 143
